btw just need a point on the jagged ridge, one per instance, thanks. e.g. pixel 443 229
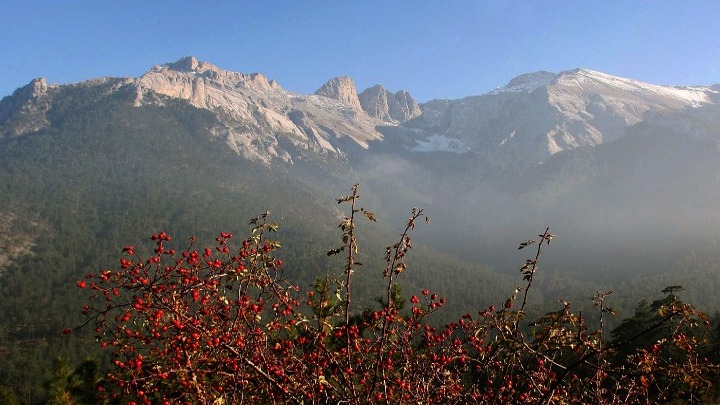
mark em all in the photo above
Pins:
pixel 531 118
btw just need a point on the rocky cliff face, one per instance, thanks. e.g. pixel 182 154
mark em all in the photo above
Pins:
pixel 261 120
pixel 533 117
pixel 25 111
pixel 540 114
pixel 341 89
pixel 385 106
pixel 258 119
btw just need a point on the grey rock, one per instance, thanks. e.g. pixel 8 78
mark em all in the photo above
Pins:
pixel 383 105
pixel 341 89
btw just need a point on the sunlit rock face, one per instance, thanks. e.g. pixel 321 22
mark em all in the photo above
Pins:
pixel 26 109
pixel 261 120
pixel 341 89
pixel 544 137
pixel 533 117
pixel 380 103
pixel 539 114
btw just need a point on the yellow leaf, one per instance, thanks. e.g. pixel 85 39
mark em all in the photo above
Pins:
pixel 370 216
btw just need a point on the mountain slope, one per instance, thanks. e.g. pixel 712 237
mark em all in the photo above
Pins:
pixel 86 170
pixel 527 152
pixel 626 173
pixel 538 115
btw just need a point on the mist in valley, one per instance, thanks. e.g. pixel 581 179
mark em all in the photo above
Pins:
pixel 633 215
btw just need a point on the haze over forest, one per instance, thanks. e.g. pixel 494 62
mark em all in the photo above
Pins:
pixel 624 170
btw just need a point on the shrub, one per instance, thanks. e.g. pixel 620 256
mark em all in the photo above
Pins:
pixel 222 325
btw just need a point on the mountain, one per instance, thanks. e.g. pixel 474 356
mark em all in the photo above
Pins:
pixel 538 115
pixel 380 103
pixel 525 151
pixel 530 119
pixel 257 118
pixel 626 173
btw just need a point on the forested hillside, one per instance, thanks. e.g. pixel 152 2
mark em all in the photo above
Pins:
pixel 90 168
pixel 108 174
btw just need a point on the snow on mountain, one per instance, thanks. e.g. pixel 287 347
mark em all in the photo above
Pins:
pixel 526 121
pixel 259 116
pixel 526 83
pixel 537 115
pixel 440 143
pixel 692 96
pixel 594 81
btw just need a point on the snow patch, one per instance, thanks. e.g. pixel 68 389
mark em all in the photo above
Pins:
pixel 504 141
pixel 693 96
pixel 526 83
pixel 440 143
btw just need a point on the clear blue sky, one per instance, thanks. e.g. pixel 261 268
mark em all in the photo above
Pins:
pixel 434 49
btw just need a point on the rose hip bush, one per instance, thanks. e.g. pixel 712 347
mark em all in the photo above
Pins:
pixel 221 325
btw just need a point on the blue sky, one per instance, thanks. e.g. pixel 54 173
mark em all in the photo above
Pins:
pixel 433 49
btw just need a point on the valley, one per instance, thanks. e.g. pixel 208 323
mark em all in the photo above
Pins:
pixel 625 173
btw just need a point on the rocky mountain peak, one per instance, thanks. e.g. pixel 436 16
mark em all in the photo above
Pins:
pixel 259 119
pixel 186 64
pixel 527 82
pixel 342 89
pixel 190 79
pixel 33 90
pixel 39 86
pixel 537 115
pixel 380 103
pixel 408 106
pixel 25 109
pixel 541 76
pixel 192 65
